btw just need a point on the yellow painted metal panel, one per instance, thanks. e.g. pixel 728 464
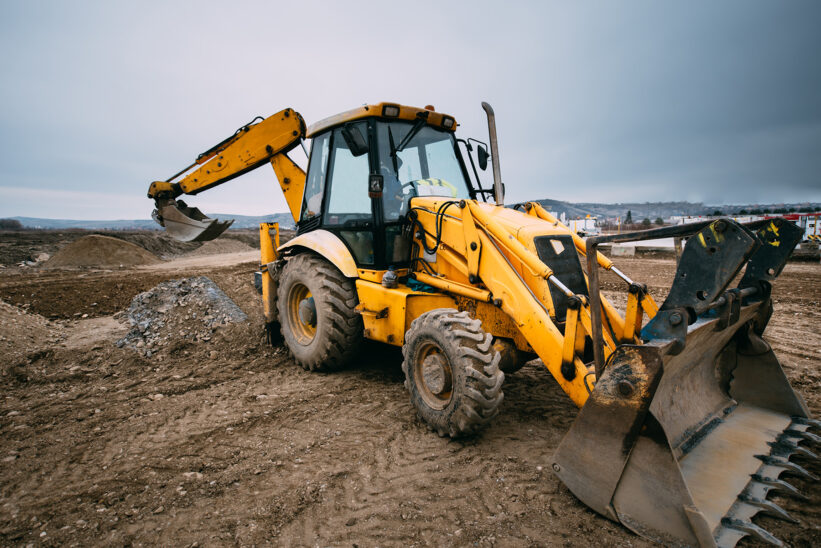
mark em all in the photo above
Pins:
pixel 407 113
pixel 510 270
pixel 376 275
pixel 268 243
pixel 494 321
pixel 454 287
pixel 329 246
pixel 247 150
pixel 383 311
pixel 292 181
pixel 570 326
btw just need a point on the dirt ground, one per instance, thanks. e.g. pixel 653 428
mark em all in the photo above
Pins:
pixel 229 443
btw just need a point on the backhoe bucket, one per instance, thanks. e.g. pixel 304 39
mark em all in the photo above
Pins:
pixel 188 224
pixel 683 437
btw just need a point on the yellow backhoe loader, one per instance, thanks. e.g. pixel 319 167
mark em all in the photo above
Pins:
pixel 687 420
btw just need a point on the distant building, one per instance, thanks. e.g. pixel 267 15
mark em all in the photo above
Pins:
pixel 583 227
pixel 809 222
pixel 687 219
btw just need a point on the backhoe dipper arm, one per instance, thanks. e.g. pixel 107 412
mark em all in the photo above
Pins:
pixel 251 146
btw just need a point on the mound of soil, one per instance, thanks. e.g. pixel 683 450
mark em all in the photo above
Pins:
pixel 100 251
pixel 217 247
pixel 159 243
pixel 177 310
pixel 22 332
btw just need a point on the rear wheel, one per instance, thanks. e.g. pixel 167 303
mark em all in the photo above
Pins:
pixel 316 306
pixel 452 372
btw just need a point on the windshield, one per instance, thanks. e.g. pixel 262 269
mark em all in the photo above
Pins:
pixel 426 166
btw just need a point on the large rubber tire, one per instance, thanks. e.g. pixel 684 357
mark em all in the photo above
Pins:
pixel 336 334
pixel 452 372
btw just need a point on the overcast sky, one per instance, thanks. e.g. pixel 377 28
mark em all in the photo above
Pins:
pixel 609 101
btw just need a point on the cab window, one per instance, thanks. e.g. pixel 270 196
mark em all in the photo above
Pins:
pixel 425 166
pixel 312 198
pixel 348 201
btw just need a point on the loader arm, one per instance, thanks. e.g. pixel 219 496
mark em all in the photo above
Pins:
pixel 480 257
pixel 259 142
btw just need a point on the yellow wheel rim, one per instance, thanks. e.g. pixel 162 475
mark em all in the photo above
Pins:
pixel 304 330
pixel 433 376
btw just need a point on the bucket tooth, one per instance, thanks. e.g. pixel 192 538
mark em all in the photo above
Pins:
pixel 776 484
pixel 802 434
pixel 768 507
pixel 807 422
pixel 787 466
pixel 785 447
pixel 752 530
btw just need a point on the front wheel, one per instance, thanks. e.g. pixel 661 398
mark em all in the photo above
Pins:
pixel 452 372
pixel 316 306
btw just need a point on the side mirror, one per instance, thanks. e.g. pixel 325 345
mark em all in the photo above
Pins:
pixel 356 142
pixel 481 152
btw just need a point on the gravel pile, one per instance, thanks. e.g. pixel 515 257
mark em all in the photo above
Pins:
pixel 186 309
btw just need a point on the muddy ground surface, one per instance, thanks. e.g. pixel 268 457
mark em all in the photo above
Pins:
pixel 227 442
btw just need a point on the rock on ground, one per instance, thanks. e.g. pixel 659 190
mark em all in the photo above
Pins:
pixel 184 309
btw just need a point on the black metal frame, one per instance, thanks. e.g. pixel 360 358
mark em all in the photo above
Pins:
pixel 592 245
pixel 763 247
pixel 377 224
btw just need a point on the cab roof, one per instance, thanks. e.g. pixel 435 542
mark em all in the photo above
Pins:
pixel 388 111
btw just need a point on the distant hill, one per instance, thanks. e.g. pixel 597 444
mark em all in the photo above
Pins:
pixel 639 210
pixel 240 221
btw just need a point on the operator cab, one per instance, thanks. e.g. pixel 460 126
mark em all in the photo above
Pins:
pixel 366 165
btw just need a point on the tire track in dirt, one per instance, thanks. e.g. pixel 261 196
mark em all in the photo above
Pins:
pixel 418 486
pixel 246 448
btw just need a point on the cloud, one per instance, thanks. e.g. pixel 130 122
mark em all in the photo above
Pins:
pixel 638 100
pixel 78 204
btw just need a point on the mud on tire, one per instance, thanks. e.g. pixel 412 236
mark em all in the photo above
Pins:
pixel 452 372
pixel 336 335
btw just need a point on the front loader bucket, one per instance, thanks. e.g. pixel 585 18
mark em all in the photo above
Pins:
pixel 684 436
pixel 188 224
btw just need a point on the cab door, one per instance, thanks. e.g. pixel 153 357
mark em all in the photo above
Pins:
pixel 347 208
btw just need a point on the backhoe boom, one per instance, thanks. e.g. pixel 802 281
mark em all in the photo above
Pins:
pixel 250 147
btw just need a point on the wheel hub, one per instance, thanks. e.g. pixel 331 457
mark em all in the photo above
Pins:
pixel 302 315
pixel 433 371
pixel 433 375
pixel 307 311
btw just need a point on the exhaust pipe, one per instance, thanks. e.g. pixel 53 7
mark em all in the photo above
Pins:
pixel 498 187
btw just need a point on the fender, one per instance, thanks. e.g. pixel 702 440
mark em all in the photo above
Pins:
pixel 328 245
